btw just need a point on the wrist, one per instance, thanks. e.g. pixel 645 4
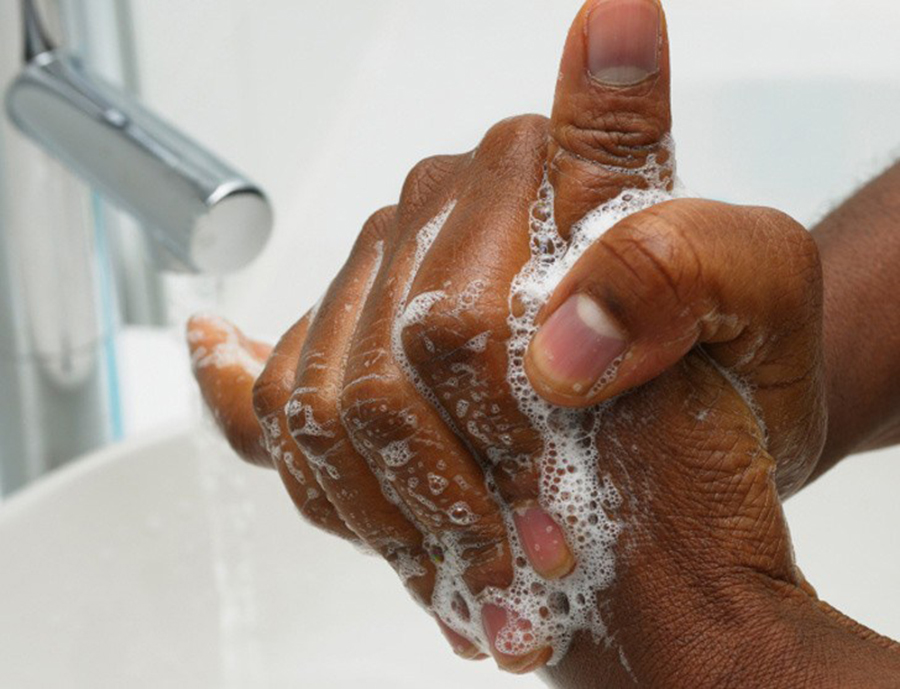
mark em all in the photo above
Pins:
pixel 765 634
pixel 807 643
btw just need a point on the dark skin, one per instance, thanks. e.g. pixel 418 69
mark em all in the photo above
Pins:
pixel 860 247
pixel 706 590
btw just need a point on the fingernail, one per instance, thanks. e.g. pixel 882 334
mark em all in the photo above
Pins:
pixel 544 542
pixel 461 645
pixel 623 39
pixel 495 619
pixel 576 346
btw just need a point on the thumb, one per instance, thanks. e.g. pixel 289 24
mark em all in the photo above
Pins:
pixel 612 115
pixel 745 283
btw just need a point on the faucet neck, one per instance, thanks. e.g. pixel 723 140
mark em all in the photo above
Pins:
pixel 36 42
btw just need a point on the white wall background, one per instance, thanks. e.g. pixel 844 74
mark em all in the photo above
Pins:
pixel 328 104
pixel 781 102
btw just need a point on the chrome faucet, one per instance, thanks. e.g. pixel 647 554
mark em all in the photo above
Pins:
pixel 57 374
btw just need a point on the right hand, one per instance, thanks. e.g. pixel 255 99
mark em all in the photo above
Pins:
pixel 394 455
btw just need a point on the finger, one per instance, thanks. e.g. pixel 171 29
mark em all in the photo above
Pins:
pixel 314 416
pixel 402 434
pixel 459 348
pixel 270 396
pixel 496 622
pixel 744 282
pixel 460 612
pixel 612 115
pixel 391 407
pixel 226 365
pixel 461 645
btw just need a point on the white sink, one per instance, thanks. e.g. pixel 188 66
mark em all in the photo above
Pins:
pixel 168 563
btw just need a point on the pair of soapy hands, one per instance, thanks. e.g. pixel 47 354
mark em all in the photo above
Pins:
pixel 712 314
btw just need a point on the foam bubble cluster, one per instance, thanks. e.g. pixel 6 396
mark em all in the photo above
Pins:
pixel 573 487
pixel 227 353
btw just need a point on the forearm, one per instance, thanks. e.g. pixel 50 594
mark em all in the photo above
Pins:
pixel 804 642
pixel 860 248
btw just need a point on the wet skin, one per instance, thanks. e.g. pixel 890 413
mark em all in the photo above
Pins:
pixel 693 295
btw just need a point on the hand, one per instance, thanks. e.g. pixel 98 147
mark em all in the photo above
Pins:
pixel 396 388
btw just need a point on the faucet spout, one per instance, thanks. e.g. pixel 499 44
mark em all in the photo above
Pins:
pixel 36 41
pixel 209 217
pixel 58 304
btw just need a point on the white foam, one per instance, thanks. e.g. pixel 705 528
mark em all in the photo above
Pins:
pixel 396 454
pixel 296 408
pixel 225 354
pixel 573 489
pixel 437 484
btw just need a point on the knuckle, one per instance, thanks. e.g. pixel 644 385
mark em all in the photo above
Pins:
pixel 487 561
pixel 524 133
pixel 378 225
pixel 803 249
pixel 373 410
pixel 414 567
pixel 435 337
pixel 305 491
pixel 457 326
pixel 320 513
pixel 391 535
pixel 482 539
pixel 270 391
pixel 658 255
pixel 620 138
pixel 312 419
pixel 425 180
pixel 315 511
pixel 796 255
pixel 464 366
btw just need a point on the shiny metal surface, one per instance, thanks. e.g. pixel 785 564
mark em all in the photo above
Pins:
pixel 58 311
pixel 208 216
pixel 102 34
